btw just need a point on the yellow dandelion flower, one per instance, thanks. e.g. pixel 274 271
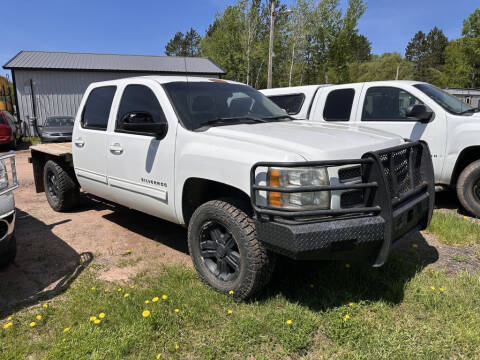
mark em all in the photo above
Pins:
pixel 96 321
pixel 159 355
pixel 351 303
pixel 229 312
pixel 465 217
pixel 101 315
pixel 155 299
pixel 126 295
pixel 63 340
pixel 346 317
pixel 347 266
pixel 67 329
pixel 93 288
pixel 146 313
pixel 147 302
pixel 93 318
pixel 119 289
pixel 7 325
pixel 289 322
pixel 432 287
pixel 164 297
pixel 32 324
pixel 177 347
pixel 38 317
pixel 45 306
pixel 230 292
pixel 176 310
pixel 9 318
pixel 442 289
pixel 106 290
pixel 128 251
pixel 132 286
pixel 414 246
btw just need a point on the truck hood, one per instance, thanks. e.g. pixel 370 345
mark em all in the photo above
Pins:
pixel 310 140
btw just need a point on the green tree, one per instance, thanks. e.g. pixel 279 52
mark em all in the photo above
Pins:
pixel 184 44
pixel 471 45
pixel 383 67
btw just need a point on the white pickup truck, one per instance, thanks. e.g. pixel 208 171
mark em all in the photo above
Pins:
pixel 411 109
pixel 219 157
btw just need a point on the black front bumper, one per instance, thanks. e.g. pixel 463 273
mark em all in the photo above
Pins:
pixel 397 199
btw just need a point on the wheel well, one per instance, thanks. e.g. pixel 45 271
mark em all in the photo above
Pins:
pixel 197 191
pixel 466 157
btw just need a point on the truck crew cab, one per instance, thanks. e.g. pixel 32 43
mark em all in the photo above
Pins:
pixel 411 109
pixel 221 158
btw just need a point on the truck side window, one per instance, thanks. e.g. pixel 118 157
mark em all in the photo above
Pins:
pixel 384 103
pixel 292 104
pixel 139 98
pixel 97 108
pixel 339 105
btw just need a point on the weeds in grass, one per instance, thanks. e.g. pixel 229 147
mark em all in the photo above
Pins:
pixel 453 230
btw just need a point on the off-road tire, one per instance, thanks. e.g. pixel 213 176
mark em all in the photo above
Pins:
pixel 67 191
pixel 10 254
pixel 256 262
pixel 468 179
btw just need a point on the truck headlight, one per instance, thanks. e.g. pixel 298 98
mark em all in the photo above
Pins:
pixel 297 178
pixel 3 176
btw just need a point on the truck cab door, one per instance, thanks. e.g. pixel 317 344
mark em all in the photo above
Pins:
pixel 141 166
pixel 384 108
pixel 89 140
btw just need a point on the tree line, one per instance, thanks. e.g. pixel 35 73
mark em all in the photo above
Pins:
pixel 320 43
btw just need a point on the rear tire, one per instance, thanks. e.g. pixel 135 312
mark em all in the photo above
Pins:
pixel 468 188
pixel 220 235
pixel 62 191
pixel 9 256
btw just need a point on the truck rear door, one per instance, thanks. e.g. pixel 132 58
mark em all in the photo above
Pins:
pixel 89 141
pixel 141 167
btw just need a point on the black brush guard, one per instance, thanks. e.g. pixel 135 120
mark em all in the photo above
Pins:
pixel 397 188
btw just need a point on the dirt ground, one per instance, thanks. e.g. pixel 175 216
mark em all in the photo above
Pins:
pixel 53 248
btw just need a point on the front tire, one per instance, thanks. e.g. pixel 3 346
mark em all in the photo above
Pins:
pixel 468 188
pixel 225 249
pixel 62 191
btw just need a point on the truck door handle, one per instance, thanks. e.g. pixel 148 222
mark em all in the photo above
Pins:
pixel 79 142
pixel 116 149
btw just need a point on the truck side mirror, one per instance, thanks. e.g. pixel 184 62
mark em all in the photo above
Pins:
pixel 420 112
pixel 142 123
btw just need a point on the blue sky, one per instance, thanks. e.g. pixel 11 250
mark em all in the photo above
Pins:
pixel 144 27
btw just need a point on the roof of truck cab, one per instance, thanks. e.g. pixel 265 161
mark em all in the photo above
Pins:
pixel 162 80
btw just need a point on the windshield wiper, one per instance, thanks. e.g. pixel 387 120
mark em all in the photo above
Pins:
pixel 472 110
pixel 234 120
pixel 278 117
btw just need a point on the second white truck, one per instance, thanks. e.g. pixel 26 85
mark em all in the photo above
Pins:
pixel 219 157
pixel 411 109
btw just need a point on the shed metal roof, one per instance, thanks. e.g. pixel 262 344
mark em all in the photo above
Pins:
pixel 45 60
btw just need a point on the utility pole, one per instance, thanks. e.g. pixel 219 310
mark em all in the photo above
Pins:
pixel 270 46
pixel 273 13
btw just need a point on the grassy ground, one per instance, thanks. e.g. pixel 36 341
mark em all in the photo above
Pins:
pixel 309 310
pixel 454 230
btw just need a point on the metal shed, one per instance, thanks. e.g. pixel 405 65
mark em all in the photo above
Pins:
pixel 53 83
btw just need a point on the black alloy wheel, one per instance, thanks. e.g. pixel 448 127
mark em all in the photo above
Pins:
pixel 219 251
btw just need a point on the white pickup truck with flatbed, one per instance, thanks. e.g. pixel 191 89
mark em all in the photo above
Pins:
pixel 411 109
pixel 219 157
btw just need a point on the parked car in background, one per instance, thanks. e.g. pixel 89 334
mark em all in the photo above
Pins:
pixel 57 129
pixel 411 109
pixel 220 158
pixel 8 182
pixel 10 129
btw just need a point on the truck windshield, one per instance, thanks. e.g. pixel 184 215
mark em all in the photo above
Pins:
pixel 203 104
pixel 445 100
